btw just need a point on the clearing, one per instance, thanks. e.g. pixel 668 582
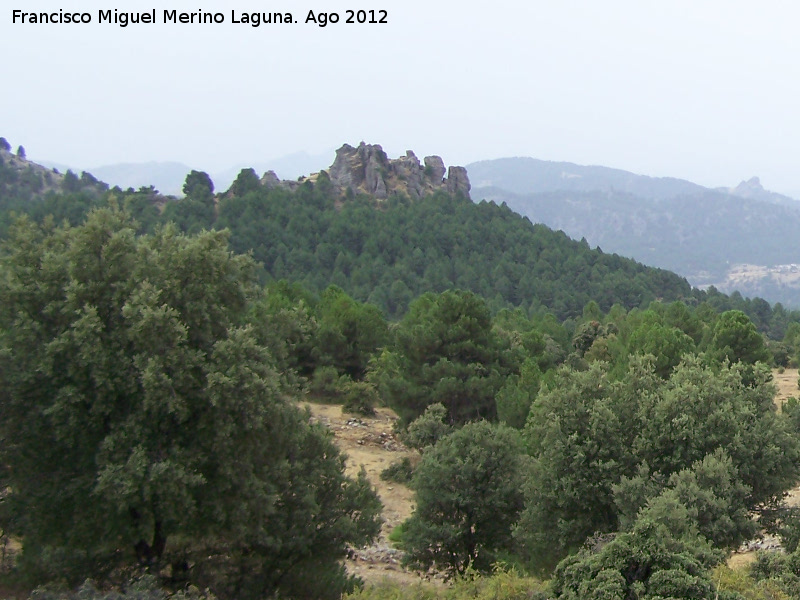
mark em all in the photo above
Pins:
pixel 370 442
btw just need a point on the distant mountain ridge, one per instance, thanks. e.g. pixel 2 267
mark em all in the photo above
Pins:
pixel 523 175
pixel 166 177
pixel 710 236
pixel 753 190
pixel 530 175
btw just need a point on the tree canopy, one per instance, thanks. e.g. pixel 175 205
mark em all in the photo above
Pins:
pixel 469 493
pixel 143 423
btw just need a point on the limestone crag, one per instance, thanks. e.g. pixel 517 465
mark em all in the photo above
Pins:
pixel 368 170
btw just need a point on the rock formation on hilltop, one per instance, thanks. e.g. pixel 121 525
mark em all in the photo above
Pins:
pixel 368 170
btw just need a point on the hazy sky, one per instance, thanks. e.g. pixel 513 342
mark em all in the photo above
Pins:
pixel 708 91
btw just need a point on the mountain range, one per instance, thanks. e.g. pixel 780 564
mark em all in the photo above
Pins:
pixel 741 238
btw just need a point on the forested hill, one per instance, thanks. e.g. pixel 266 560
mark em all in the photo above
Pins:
pixel 388 250
pixel 392 253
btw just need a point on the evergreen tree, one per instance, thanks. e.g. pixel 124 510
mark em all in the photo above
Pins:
pixel 469 493
pixel 143 423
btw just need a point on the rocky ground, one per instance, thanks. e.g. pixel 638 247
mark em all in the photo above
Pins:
pixel 370 442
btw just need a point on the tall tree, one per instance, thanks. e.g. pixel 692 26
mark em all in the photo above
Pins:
pixel 469 493
pixel 197 210
pixel 142 422
pixel 445 352
pixel 598 444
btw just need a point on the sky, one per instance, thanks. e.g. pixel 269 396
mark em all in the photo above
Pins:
pixel 707 91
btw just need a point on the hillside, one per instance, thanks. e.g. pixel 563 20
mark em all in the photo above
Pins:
pixel 386 231
pixel 706 235
pixel 151 386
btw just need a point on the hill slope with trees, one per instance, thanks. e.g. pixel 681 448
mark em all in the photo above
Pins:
pixel 698 232
pixel 150 372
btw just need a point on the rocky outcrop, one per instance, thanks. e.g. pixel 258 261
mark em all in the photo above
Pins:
pixel 367 169
pixel 457 181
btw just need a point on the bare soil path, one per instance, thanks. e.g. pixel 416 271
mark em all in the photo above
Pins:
pixel 786 383
pixel 370 442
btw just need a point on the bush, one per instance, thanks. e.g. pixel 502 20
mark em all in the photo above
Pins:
pixel 400 471
pixel 501 585
pixel 326 385
pixel 427 429
pixel 359 397
pixel 397 535
pixel 469 494
pixel 738 584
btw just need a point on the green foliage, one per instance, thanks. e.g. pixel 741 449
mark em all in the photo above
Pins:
pixel 196 211
pixel 502 584
pixel 649 563
pixel 359 397
pixel 580 437
pixel 469 493
pixel 714 497
pixel 781 570
pixel 327 385
pixel 445 351
pixel 603 448
pixel 515 397
pixel 246 181
pixel 667 344
pixel 738 584
pixel 736 339
pixel 392 255
pixel 283 322
pixel 348 333
pixel 400 471
pixel 428 428
pixel 397 534
pixel 144 423
pixel 789 528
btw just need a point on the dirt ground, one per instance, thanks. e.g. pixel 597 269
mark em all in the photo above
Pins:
pixel 370 442
pixel 786 383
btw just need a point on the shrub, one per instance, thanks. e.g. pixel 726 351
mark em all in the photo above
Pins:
pixel 427 429
pixel 400 471
pixel 359 397
pixel 326 385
